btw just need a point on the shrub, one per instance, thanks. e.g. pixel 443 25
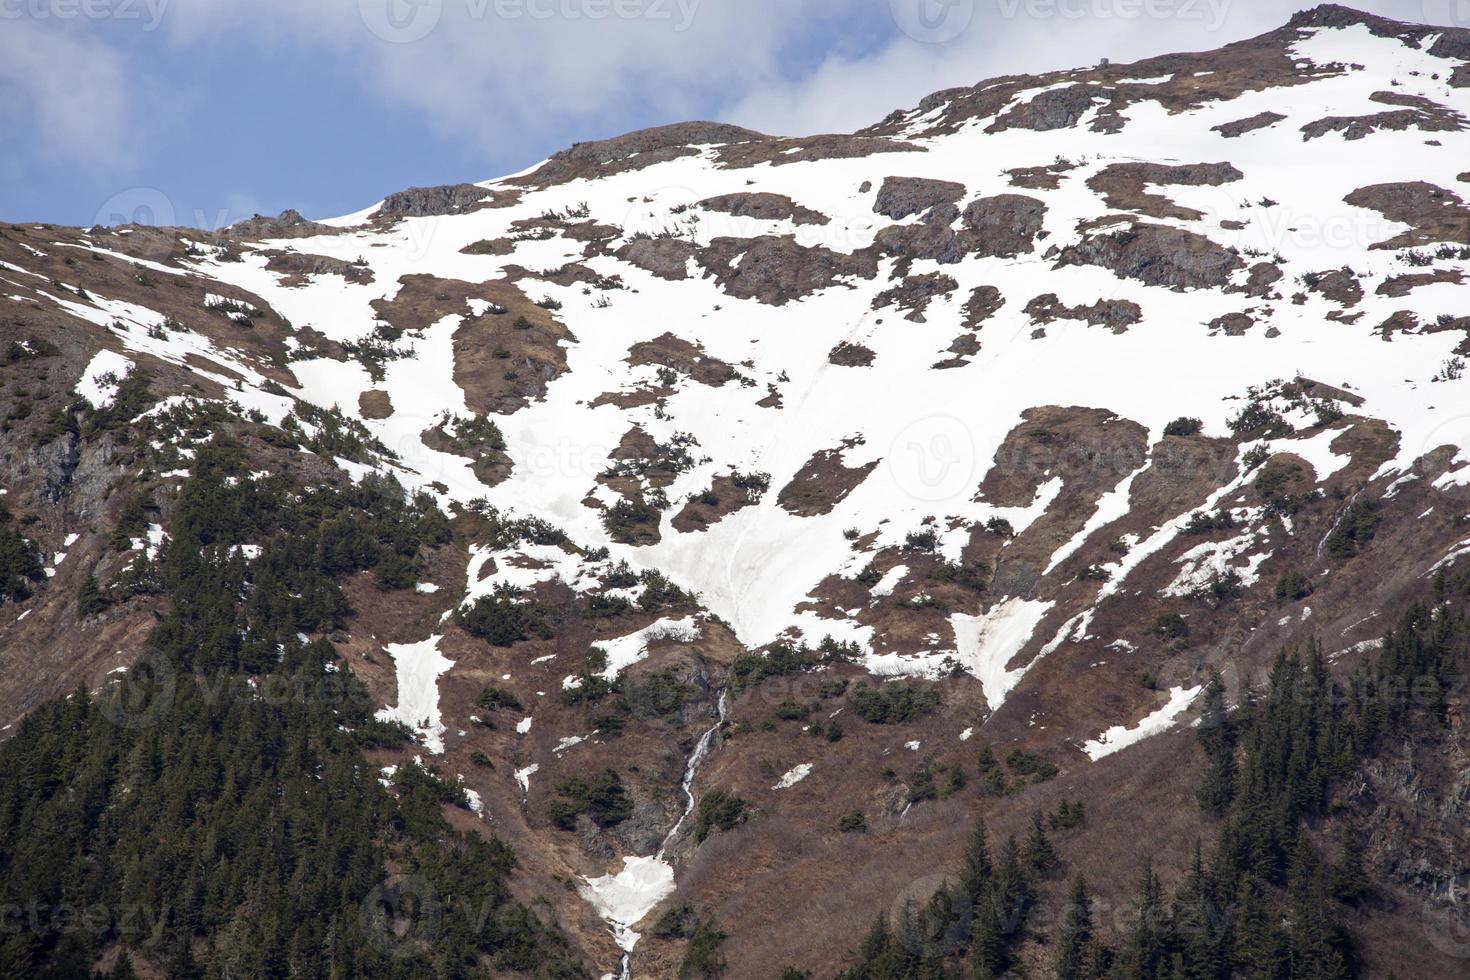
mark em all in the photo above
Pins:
pixel 852 822
pixel 601 605
pixel 1202 523
pixel 970 575
pixel 623 519
pixel 718 810
pixel 601 797
pixel 494 698
pixel 892 704
pixel 1184 426
pixel 504 618
pixel 1170 626
pixel 20 563
pixel 791 711
pixel 924 539
pixel 91 601
pixel 1029 764
pixel 1293 586
pixel 660 593
pixel 1355 529
pixel 658 695
pixel 677 922
pixel 1220 589
pixel 780 660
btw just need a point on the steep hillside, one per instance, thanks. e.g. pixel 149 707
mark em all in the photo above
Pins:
pixel 787 480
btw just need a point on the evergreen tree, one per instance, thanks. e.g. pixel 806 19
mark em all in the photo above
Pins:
pixel 1145 945
pixel 90 601
pixel 1216 735
pixel 1041 856
pixel 1075 956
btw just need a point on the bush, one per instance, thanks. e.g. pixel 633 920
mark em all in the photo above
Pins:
pixel 892 704
pixel 852 822
pixel 924 539
pixel 1203 523
pixel 625 518
pixel 718 810
pixel 1293 586
pixel 396 571
pixel 504 618
pixel 494 698
pixel 1030 764
pixel 1184 426
pixel 970 575
pixel 658 695
pixel 1170 625
pixel 1001 527
pixel 1354 530
pixel 791 711
pixel 660 593
pixel 750 669
pixel 20 563
pixel 91 601
pixel 602 798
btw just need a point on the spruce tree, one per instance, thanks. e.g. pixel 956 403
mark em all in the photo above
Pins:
pixel 1074 954
pixel 1041 856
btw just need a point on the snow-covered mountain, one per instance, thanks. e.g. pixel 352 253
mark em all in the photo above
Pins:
pixel 1042 387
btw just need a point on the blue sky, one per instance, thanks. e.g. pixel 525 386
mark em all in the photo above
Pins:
pixel 207 111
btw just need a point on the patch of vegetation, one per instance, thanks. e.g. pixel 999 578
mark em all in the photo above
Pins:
pixel 658 695
pixel 151 769
pixel 1354 529
pixel 601 797
pixel 1201 522
pixel 1024 763
pixel 20 562
pixel 892 704
pixel 1293 586
pixel 718 810
pixel 504 617
pixel 1184 426
pixel 493 698
pixel 624 519
pixel 750 669
pixel 1170 626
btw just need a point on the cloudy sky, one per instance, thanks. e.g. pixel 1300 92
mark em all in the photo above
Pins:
pixel 206 111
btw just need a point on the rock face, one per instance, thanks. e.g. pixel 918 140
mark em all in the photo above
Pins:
pixel 1156 255
pixel 422 202
pixel 775 269
pixel 643 148
pixel 766 207
pixel 901 197
pixel 1005 225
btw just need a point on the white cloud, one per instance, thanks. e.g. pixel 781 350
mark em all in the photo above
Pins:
pixel 512 75
pixel 71 88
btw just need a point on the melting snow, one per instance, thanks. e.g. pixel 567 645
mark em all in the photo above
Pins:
pixel 795 776
pixel 1120 737
pixel 419 666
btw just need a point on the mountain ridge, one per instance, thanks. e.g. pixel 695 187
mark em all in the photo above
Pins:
pixel 1025 412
